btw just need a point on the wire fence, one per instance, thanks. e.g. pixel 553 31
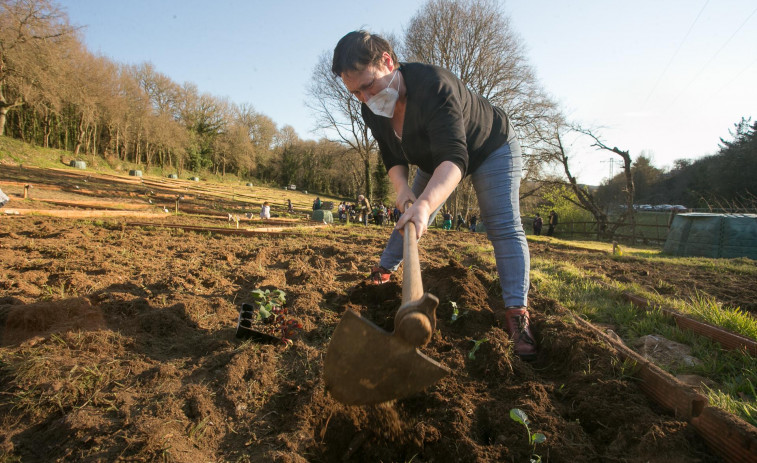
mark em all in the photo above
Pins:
pixel 651 228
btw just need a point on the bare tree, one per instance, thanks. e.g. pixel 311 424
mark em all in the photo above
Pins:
pixel 628 215
pixel 553 143
pixel 338 114
pixel 33 33
pixel 474 40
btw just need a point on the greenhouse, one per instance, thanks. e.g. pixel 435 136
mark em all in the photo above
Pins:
pixel 713 235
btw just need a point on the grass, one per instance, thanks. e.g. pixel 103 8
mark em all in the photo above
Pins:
pixel 734 372
pixel 228 187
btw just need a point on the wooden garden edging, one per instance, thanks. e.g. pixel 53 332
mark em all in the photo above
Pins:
pixel 727 435
pixel 227 231
pixel 727 339
pixel 80 214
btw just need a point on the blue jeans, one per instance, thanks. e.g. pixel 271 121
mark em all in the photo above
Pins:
pixel 497 185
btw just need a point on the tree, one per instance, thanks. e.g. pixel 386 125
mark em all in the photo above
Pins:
pixel 338 113
pixel 261 130
pixel 33 34
pixel 584 198
pixel 474 40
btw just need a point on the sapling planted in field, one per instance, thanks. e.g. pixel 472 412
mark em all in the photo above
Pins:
pixel 476 346
pixel 518 415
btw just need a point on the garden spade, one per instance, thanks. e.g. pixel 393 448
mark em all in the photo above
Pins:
pixel 366 365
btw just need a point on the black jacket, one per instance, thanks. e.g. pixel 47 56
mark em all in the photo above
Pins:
pixel 444 121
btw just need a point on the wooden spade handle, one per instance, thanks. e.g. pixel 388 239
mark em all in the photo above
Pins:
pixel 412 285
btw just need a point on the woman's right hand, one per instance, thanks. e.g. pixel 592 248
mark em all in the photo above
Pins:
pixel 403 196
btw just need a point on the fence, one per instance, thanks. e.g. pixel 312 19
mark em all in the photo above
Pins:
pixel 651 227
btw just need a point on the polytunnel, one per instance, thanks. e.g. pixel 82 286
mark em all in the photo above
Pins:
pixel 713 235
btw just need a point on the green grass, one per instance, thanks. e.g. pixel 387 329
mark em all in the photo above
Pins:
pixel 734 372
pixel 226 188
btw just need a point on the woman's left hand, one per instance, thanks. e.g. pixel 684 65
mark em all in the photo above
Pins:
pixel 418 213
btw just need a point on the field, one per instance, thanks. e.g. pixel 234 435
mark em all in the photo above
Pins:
pixel 118 340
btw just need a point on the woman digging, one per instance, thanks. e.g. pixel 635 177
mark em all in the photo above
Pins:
pixel 424 115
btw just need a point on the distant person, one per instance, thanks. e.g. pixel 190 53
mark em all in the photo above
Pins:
pixel 396 214
pixel 538 223
pixel 473 221
pixel 290 209
pixel 363 209
pixel 3 199
pixel 447 224
pixel 552 223
pixel 460 221
pixel 265 211
pixel 317 203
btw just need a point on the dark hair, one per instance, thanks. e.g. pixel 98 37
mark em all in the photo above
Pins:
pixel 358 49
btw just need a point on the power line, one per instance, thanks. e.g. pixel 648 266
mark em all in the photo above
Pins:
pixel 659 79
pixel 728 84
pixel 712 58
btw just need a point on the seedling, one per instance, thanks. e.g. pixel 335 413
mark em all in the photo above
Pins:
pixel 456 312
pixel 476 346
pixel 267 301
pixel 518 415
pixel 269 310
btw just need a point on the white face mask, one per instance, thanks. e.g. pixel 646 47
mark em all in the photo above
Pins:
pixel 383 103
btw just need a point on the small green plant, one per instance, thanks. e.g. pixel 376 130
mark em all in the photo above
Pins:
pixel 518 415
pixel 476 346
pixel 270 311
pixel 456 312
pixel 267 302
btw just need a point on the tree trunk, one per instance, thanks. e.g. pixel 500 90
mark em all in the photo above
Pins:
pixel 79 136
pixel 3 117
pixel 368 183
pixel 46 129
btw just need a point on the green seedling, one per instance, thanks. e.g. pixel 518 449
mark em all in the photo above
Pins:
pixel 456 312
pixel 476 346
pixel 271 311
pixel 518 415
pixel 267 301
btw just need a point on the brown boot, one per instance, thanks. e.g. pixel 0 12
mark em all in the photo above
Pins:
pixel 516 321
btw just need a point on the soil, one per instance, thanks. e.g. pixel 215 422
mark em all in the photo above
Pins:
pixel 118 344
pixel 682 281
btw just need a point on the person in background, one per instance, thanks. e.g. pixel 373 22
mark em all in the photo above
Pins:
pixel 552 223
pixel 317 203
pixel 290 209
pixel 460 221
pixel 424 115
pixel 364 209
pixel 473 222
pixel 265 211
pixel 447 225
pixel 538 223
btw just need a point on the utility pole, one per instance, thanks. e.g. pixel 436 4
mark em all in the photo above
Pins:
pixel 612 166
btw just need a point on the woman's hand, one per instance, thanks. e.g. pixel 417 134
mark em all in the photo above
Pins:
pixel 403 196
pixel 418 213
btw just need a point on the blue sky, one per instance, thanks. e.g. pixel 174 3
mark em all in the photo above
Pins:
pixel 668 77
